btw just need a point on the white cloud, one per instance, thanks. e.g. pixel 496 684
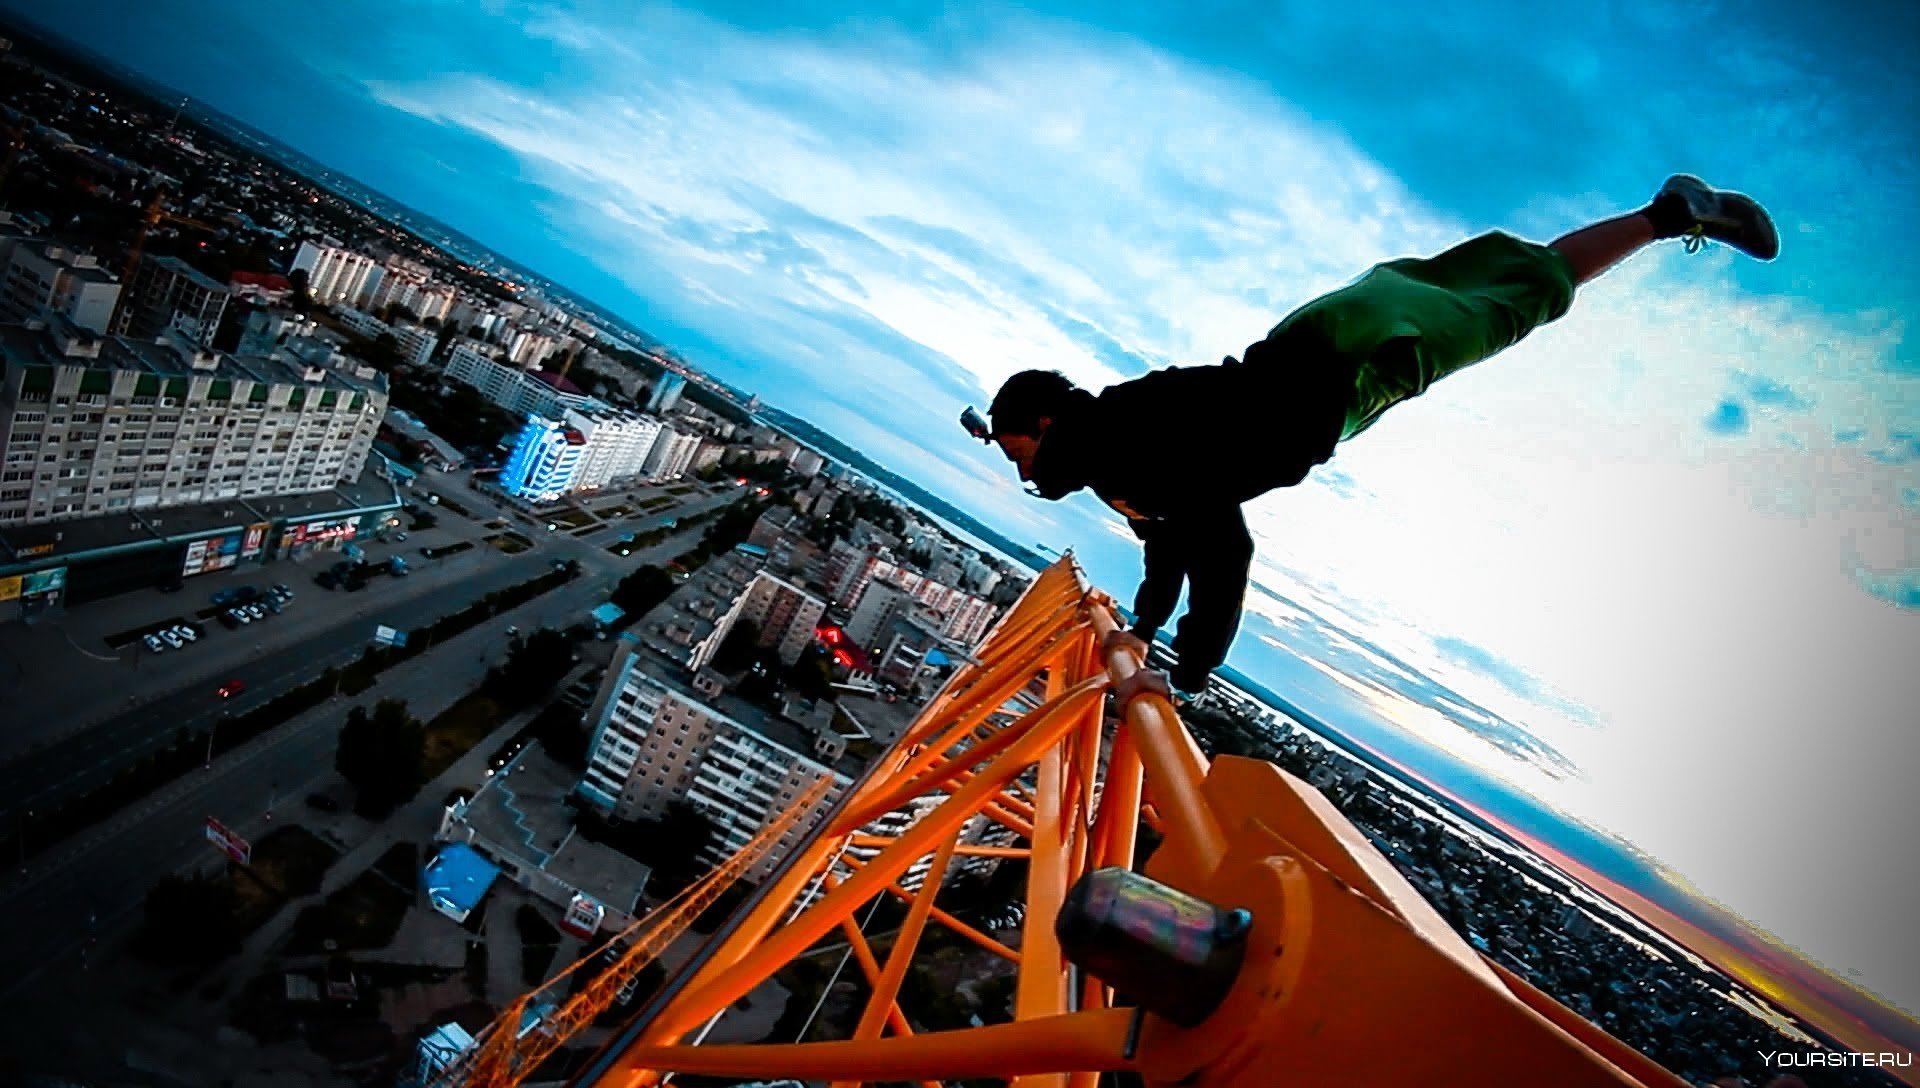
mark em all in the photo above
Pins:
pixel 1562 506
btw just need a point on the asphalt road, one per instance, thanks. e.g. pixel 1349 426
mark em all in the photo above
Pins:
pixel 93 885
pixel 86 759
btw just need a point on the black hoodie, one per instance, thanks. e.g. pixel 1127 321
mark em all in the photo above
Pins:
pixel 1177 451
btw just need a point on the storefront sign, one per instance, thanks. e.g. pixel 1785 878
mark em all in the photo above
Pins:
pixel 10 588
pixel 316 531
pixel 256 540
pixel 43 581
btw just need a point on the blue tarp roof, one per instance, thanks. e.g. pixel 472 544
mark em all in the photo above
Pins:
pixel 459 877
pixel 607 614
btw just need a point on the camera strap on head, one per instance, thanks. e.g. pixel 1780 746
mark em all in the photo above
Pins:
pixel 976 424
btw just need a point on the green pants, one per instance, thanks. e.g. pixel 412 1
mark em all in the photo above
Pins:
pixel 1408 323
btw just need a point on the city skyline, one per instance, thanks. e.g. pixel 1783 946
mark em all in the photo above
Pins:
pixel 1739 441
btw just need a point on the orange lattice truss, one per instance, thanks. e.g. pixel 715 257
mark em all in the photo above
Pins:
pixel 1337 973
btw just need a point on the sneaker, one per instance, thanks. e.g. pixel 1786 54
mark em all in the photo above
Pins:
pixel 1734 218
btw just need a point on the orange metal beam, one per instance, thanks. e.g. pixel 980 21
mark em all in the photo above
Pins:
pixel 900 956
pixel 731 983
pixel 963 929
pixel 1087 1040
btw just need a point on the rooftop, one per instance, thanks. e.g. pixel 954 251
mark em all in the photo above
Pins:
pixel 189 273
pixel 522 811
pixel 459 877
pixel 31 346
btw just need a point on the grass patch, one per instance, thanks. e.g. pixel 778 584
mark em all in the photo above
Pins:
pixel 681 489
pixel 572 519
pixel 656 504
pixel 511 543
pixel 400 864
pixel 446 549
pixel 362 916
pixel 455 730
pixel 291 860
pixel 610 512
pixel 448 504
pixel 496 523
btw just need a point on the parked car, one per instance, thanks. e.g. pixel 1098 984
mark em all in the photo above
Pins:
pixel 256 612
pixel 275 605
pixel 326 579
pixel 172 639
pixel 228 621
pixel 153 643
pixel 231 688
pixel 280 589
pixel 239 615
pixel 186 633
pixel 401 537
pixel 226 596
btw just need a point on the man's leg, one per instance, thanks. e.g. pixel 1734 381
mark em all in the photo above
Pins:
pixel 1685 207
pixel 1593 249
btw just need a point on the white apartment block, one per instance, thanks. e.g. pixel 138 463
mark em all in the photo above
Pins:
pixel 362 322
pixel 335 274
pixel 529 347
pixel 91 426
pixel 657 741
pixel 43 280
pixel 510 387
pixel 672 453
pixel 417 344
pixel 618 443
pixel 434 300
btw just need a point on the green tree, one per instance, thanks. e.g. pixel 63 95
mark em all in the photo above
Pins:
pixel 383 756
pixel 533 666
pixel 638 592
pixel 189 920
pixel 302 294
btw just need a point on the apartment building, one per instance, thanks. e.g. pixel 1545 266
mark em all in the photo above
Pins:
pixel 510 387
pixel 658 740
pixel 167 292
pixel 92 425
pixel 618 443
pixel 545 457
pixel 672 453
pixel 337 275
pixel 784 614
pixel 45 280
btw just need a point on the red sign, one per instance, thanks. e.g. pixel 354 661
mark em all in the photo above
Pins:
pixel 227 842
pixel 323 530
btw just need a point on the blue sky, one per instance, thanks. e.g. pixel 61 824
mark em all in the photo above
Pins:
pixel 1667 550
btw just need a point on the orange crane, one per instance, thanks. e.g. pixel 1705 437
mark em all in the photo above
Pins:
pixel 1264 941
pixel 526 1033
pixel 155 214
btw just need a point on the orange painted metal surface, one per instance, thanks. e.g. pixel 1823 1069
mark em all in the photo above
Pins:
pixel 1348 978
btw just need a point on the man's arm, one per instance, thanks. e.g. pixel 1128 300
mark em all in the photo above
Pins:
pixel 1166 569
pixel 1218 554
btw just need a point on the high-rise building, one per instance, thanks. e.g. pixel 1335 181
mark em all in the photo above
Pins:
pixel 666 393
pixel 618 443
pixel 672 453
pixel 167 292
pixel 44 280
pixel 880 604
pixel 94 425
pixel 335 274
pixel 784 615
pixel 546 454
pixel 658 740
